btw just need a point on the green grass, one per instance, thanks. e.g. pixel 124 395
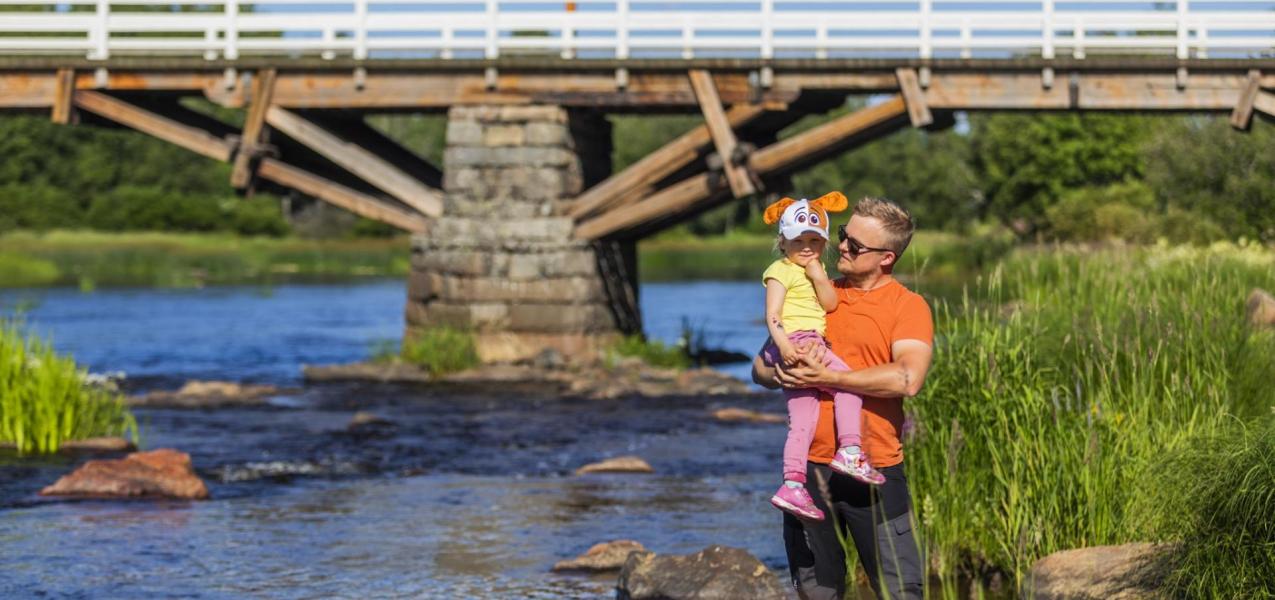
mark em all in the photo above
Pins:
pixel 93 259
pixel 44 400
pixel 652 352
pixel 439 350
pixel 1060 377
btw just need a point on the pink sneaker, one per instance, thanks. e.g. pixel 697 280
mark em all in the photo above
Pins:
pixel 797 502
pixel 856 466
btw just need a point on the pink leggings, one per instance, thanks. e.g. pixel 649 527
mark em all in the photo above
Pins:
pixel 803 409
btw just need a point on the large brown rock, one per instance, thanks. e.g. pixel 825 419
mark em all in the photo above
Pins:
pixel 714 573
pixel 619 464
pixel 1261 308
pixel 163 473
pixel 1126 572
pixel 607 556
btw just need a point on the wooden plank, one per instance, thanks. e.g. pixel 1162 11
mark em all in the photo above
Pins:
pixel 191 138
pixel 1265 103
pixel 914 97
pixel 366 165
pixel 1205 92
pixel 777 159
pixel 63 93
pixel 723 136
pixel 254 126
pixel 354 128
pixel 1242 116
pixel 356 202
pixel 782 156
pixel 640 176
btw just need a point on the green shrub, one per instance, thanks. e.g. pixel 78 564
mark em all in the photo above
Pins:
pixel 1123 211
pixel 652 352
pixel 24 271
pixel 45 401
pixel 1214 498
pixel 441 350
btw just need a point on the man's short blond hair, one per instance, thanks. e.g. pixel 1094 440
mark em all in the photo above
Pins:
pixel 895 219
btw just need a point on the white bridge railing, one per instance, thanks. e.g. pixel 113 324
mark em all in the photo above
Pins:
pixel 584 29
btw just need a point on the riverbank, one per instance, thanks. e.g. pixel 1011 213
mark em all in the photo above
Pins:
pixel 88 259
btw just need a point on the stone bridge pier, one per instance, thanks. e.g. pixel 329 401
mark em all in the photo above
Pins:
pixel 501 262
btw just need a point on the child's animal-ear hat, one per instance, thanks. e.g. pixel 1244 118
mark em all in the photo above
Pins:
pixel 796 217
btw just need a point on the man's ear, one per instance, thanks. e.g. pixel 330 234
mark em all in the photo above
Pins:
pixel 832 202
pixel 776 210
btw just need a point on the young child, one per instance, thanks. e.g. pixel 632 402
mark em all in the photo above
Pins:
pixel 798 296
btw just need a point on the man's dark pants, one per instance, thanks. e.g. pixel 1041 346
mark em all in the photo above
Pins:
pixel 879 521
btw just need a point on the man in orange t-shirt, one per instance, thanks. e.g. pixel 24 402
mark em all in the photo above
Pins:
pixel 885 333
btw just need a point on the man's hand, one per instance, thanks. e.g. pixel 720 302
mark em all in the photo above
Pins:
pixel 809 372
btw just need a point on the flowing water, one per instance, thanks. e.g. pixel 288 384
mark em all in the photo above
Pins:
pixel 467 495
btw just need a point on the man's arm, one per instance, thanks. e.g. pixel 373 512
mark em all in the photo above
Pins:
pixel 902 377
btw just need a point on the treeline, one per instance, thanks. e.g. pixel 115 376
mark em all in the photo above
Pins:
pixel 1044 176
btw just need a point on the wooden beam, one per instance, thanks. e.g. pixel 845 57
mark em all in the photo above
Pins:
pixel 254 125
pixel 63 95
pixel 191 138
pixel 723 136
pixel 1242 116
pixel 1265 103
pixel 366 165
pixel 780 158
pixel 354 128
pixel 640 177
pixel 914 97
pixel 329 191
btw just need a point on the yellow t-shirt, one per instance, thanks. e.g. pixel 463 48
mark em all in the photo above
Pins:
pixel 802 311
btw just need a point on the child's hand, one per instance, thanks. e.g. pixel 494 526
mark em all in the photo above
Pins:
pixel 789 355
pixel 815 270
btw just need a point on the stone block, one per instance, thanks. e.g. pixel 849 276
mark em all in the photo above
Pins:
pixel 423 285
pixel 557 318
pixel 464 133
pixel 566 290
pixel 452 262
pixel 508 114
pixel 548 134
pixel 471 156
pixel 503 135
pixel 508 346
pixel 495 231
pixel 567 263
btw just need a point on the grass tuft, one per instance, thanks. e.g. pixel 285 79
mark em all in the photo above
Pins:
pixel 441 350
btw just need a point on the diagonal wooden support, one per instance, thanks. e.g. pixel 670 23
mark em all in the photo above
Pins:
pixel 194 139
pixel 253 128
pixel 914 96
pixel 355 129
pixel 723 136
pixel 783 157
pixel 329 191
pixel 1242 116
pixel 63 96
pixel 639 179
pixel 362 163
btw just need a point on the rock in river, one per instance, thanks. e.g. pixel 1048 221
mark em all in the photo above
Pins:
pixel 607 556
pixel 159 473
pixel 619 464
pixel 206 394
pixel 714 573
pixel 1126 572
pixel 748 416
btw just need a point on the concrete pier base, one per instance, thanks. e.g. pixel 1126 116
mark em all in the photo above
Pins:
pixel 501 262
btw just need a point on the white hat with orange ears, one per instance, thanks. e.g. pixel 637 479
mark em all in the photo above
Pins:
pixel 796 217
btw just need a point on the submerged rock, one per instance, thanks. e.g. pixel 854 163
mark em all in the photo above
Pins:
pixel 607 556
pixel 1126 572
pixel 619 464
pixel 748 416
pixel 714 573
pixel 98 444
pixel 164 473
pixel 1261 308
pixel 387 372
pixel 208 394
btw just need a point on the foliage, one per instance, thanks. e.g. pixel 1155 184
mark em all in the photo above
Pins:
pixel 1025 162
pixel 440 350
pixel 1214 498
pixel 1060 377
pixel 45 401
pixel 651 352
pixel 90 259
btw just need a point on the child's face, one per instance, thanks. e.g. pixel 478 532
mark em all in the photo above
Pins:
pixel 808 246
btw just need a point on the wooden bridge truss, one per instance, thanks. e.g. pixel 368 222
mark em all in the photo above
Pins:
pixel 304 127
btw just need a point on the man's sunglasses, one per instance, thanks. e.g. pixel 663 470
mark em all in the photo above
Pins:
pixel 857 249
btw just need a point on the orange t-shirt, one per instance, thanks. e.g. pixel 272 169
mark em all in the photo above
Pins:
pixel 861 331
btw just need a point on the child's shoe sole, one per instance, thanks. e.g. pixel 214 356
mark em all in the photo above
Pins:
pixel 788 507
pixel 848 472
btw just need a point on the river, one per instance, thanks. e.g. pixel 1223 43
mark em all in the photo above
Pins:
pixel 468 496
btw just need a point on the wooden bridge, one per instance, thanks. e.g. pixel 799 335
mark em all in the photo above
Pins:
pixel 524 217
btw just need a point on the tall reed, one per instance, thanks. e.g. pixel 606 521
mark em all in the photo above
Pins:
pixel 1059 377
pixel 44 400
